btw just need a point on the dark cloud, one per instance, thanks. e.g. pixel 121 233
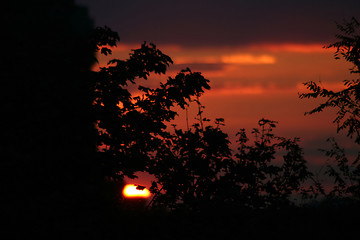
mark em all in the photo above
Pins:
pixel 234 22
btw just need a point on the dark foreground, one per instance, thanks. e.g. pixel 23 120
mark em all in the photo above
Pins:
pixel 322 222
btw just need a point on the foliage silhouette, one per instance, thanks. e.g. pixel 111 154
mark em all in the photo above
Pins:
pixel 196 169
pixel 346 174
pixel 67 128
pixel 49 174
pixel 188 167
pixel 347 100
pixel 264 183
pixel 131 127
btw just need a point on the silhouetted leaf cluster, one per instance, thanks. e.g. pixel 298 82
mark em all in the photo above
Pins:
pixel 103 37
pixel 348 46
pixel 345 101
pixel 346 174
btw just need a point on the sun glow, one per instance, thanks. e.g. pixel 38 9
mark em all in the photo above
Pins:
pixel 135 191
pixel 248 59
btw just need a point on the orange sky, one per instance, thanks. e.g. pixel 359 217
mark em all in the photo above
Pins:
pixel 256 55
pixel 252 82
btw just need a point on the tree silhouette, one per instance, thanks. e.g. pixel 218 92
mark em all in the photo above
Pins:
pixel 197 169
pixel 48 168
pixel 67 128
pixel 346 173
pixel 194 168
pixel 264 183
pixel 345 101
pixel 188 167
pixel 131 127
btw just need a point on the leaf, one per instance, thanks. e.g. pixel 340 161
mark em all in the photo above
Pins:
pixel 106 51
pixel 139 187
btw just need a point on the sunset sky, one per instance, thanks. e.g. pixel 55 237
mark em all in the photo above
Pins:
pixel 256 55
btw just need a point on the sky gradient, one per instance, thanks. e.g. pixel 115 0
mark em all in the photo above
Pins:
pixel 256 55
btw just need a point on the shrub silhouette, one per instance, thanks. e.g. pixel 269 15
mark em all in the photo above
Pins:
pixel 198 170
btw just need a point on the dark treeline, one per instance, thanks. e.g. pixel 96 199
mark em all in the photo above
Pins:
pixel 48 152
pixel 72 135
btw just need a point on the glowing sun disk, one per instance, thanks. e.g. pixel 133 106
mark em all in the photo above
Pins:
pixel 130 190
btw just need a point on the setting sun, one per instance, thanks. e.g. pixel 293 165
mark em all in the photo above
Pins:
pixel 131 190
